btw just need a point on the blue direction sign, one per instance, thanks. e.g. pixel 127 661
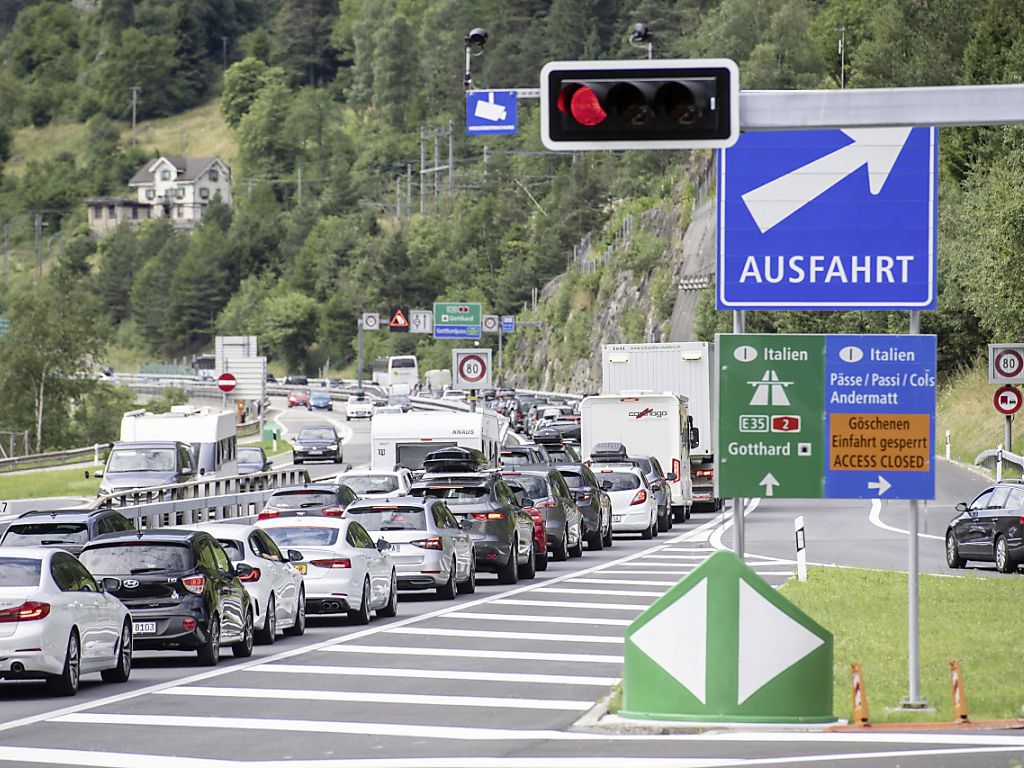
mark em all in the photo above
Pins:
pixel 838 219
pixel 508 323
pixel 491 113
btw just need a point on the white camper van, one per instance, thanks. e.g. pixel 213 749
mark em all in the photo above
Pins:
pixel 406 438
pixel 212 433
pixel 648 425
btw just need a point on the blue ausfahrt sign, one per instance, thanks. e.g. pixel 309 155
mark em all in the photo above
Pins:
pixel 491 113
pixel 837 219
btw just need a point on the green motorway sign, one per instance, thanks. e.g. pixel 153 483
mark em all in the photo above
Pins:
pixel 457 320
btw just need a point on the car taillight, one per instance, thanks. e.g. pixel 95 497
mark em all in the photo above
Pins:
pixel 640 498
pixel 268 514
pixel 584 497
pixel 434 542
pixel 332 511
pixel 677 470
pixel 488 515
pixel 546 504
pixel 337 562
pixel 188 623
pixel 194 584
pixel 534 513
pixel 705 473
pixel 253 575
pixel 27 611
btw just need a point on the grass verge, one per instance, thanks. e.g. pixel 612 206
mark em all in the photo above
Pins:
pixel 964 407
pixel 283 446
pixel 56 482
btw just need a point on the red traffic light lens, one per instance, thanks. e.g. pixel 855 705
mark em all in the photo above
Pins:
pixel 585 107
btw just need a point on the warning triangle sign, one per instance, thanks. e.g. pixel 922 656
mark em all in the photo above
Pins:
pixel 399 319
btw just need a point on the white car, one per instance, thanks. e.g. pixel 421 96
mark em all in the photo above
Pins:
pixel 634 507
pixel 343 570
pixel 371 483
pixel 275 586
pixel 454 394
pixel 358 407
pixel 57 623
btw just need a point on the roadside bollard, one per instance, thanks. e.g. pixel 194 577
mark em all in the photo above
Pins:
pixel 860 697
pixel 801 554
pixel 999 463
pixel 947 446
pixel 274 433
pixel 959 697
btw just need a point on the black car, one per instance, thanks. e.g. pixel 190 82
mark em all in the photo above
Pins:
pixel 251 459
pixel 594 504
pixel 319 442
pixel 521 455
pixel 659 482
pixel 990 528
pixel 559 451
pixel 568 427
pixel 297 380
pixel 543 488
pixel 311 500
pixel 67 529
pixel 181 589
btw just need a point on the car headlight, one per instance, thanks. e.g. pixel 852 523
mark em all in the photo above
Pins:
pixel 332 447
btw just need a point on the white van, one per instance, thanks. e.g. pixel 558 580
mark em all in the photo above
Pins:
pixel 212 434
pixel 406 438
pixel 648 425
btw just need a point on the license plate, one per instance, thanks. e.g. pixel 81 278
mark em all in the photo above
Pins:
pixel 144 627
pixel 316 450
pixel 616 518
pixel 300 567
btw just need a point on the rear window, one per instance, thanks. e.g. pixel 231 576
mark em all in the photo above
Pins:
pixel 515 459
pixel 34 534
pixel 645 465
pixel 533 487
pixel 454 495
pixel 621 481
pixel 138 557
pixel 20 571
pixel 301 499
pixel 390 518
pixel 141 460
pixel 371 483
pixel 303 536
pixel 235 549
pixel 573 480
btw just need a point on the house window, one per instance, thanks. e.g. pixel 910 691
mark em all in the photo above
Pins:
pixel 135 212
pixel 97 212
pixel 213 174
pixel 111 212
pixel 181 211
pixel 181 192
pixel 204 193
pixel 165 175
pixel 150 194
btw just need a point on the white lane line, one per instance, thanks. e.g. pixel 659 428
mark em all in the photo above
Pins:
pixel 457 653
pixel 364 697
pixel 610 592
pixel 875 517
pixel 715 540
pixel 458 632
pixel 507 617
pixel 31 755
pixel 577 605
pixel 651 572
pixel 436 674
pixel 681 558
pixel 646 563
pixel 639 583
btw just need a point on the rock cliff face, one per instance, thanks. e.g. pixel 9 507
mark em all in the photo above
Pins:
pixel 642 285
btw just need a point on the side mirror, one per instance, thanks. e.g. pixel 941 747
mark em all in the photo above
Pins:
pixel 294 555
pixel 243 570
pixel 671 477
pixel 694 437
pixel 95 473
pixel 110 584
pixel 202 471
pixel 383 545
pixel 961 507
pixel 527 502
pixel 187 471
pixel 606 485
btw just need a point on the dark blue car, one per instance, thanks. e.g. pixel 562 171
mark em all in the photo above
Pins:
pixel 320 401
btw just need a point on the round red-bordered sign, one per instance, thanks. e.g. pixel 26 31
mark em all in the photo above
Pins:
pixel 472 368
pixel 227 382
pixel 1007 400
pixel 1008 363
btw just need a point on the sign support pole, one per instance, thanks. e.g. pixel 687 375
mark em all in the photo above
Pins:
pixel 739 325
pixel 501 367
pixel 359 356
pixel 1008 434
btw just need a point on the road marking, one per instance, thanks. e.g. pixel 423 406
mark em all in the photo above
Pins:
pixel 539 619
pixel 620 592
pixel 391 650
pixel 348 697
pixel 639 583
pixel 703 555
pixel 875 517
pixel 480 633
pixel 575 605
pixel 437 674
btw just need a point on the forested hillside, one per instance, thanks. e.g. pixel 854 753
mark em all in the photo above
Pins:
pixel 325 101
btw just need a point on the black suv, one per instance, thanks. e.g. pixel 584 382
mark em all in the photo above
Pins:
pixel 313 500
pixel 502 532
pixel 544 489
pixel 181 589
pixel 594 504
pixel 319 442
pixel 990 528
pixel 68 529
pixel 559 451
pixel 521 455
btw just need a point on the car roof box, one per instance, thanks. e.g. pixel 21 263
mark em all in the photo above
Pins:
pixel 548 436
pixel 455 459
pixel 608 453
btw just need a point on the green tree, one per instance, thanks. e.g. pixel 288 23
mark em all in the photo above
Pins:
pixel 243 82
pixel 199 289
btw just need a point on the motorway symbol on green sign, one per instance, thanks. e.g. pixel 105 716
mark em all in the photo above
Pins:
pixel 722 645
pixel 453 320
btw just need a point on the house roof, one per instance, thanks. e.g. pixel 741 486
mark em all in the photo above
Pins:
pixel 188 168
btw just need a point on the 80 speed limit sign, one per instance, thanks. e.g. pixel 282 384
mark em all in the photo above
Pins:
pixel 471 368
pixel 1006 363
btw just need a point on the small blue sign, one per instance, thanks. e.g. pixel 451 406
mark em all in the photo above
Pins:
pixel 880 417
pixel 456 331
pixel 837 220
pixel 508 323
pixel 491 113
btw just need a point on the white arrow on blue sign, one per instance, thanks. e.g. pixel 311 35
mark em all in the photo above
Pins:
pixel 491 113
pixel 828 220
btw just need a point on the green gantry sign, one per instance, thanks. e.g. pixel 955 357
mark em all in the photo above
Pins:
pixel 723 646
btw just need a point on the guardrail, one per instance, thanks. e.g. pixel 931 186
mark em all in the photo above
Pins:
pixel 994 459
pixel 56 458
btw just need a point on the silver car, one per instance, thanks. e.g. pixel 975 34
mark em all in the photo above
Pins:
pixel 428 546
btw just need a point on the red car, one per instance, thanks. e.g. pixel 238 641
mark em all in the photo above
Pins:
pixel 540 530
pixel 299 397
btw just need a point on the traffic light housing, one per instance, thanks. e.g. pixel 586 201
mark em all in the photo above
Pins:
pixel 666 104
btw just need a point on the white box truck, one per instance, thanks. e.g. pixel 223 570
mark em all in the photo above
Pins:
pixel 406 438
pixel 647 425
pixel 687 369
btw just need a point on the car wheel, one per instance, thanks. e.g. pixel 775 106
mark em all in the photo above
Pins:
pixel 529 569
pixel 468 587
pixel 298 461
pixel 650 531
pixel 540 561
pixel 268 634
pixel 243 648
pixel 123 670
pixel 348 418
pixel 953 559
pixel 299 627
pixel 390 609
pixel 609 539
pixel 596 541
pixel 509 573
pixel 362 614
pixel 209 652
pixel 1004 563
pixel 665 522
pixel 448 591
pixel 66 683
pixel 561 550
pixel 576 550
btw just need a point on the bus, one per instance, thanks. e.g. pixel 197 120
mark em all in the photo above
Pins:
pixel 403 369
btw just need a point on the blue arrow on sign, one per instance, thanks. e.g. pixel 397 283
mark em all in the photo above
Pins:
pixel 491 113
pixel 828 220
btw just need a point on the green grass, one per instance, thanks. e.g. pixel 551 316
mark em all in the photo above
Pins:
pixel 55 482
pixel 965 408
pixel 52 463
pixel 973 620
pixel 283 446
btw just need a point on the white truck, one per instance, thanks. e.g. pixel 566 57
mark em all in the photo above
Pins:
pixel 687 369
pixel 406 438
pixel 647 425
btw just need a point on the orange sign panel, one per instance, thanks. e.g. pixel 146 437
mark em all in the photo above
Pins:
pixel 883 441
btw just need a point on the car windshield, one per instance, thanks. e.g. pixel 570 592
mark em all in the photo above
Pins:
pixel 250 455
pixel 301 499
pixel 621 481
pixel 133 557
pixel 32 534
pixel 317 433
pixel 399 400
pixel 141 460
pixel 300 536
pixel 533 487
pixel 390 518
pixel 234 549
pixel 20 571
pixel 453 494
pixel 371 483
pixel 357 398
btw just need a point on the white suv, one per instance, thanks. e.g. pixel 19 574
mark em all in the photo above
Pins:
pixel 371 483
pixel 358 407
pixel 634 507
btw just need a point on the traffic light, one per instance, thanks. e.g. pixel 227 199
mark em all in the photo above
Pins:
pixel 667 104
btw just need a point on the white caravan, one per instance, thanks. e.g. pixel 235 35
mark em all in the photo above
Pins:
pixel 212 434
pixel 404 439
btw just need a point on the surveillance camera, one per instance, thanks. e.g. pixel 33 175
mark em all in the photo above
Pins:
pixel 640 33
pixel 477 36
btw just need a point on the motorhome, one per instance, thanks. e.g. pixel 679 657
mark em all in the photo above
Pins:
pixel 404 439
pixel 211 432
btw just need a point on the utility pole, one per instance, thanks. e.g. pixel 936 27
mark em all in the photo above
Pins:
pixel 423 166
pixel 359 353
pixel 38 244
pixel 299 185
pixel 408 190
pixel 842 55
pixel 6 243
pixel 224 50
pixel 398 197
pixel 135 104
pixel 451 159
